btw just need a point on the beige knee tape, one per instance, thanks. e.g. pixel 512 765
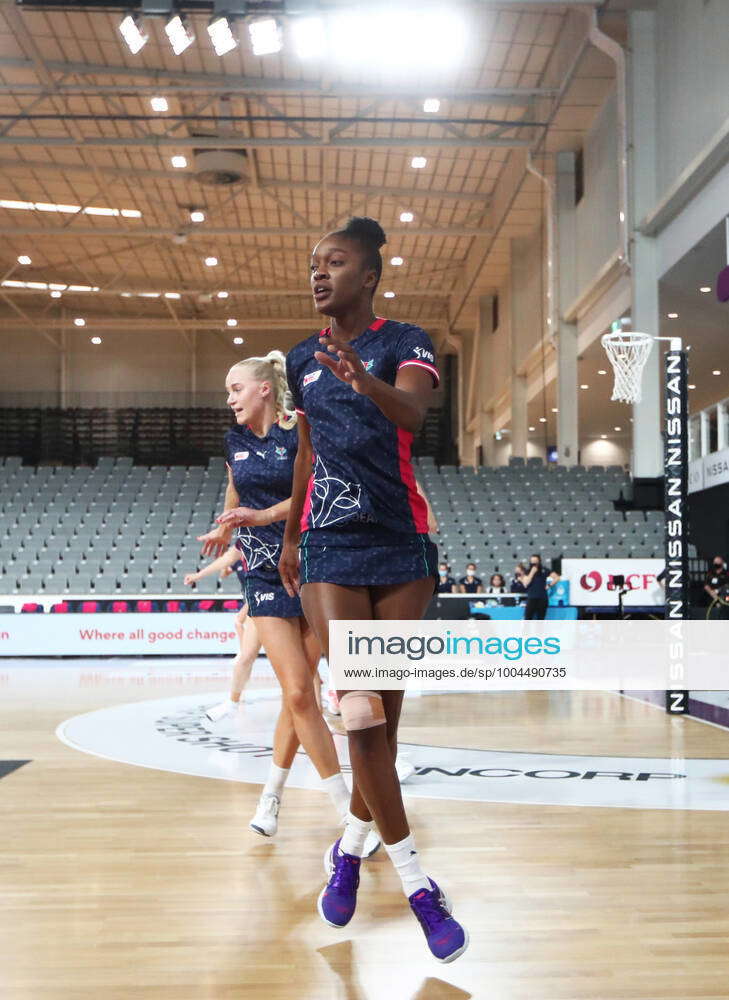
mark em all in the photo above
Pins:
pixel 361 710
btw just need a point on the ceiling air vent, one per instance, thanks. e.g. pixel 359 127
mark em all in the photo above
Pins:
pixel 220 167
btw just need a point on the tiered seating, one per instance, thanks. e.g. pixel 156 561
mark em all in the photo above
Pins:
pixel 113 529
pixel 498 516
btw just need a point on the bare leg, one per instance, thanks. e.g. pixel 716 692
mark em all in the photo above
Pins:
pixel 285 740
pixel 283 641
pixel 249 644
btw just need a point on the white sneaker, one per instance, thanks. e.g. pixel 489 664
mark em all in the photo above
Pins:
pixel 404 769
pixel 225 710
pixel 265 821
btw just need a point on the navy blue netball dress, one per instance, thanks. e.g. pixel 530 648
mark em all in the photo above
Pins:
pixel 262 470
pixel 364 522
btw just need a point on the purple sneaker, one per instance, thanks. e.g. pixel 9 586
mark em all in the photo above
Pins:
pixel 338 898
pixel 446 938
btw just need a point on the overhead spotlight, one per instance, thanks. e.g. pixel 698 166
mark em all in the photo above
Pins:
pixel 691 385
pixel 308 36
pixel 583 386
pixel 131 32
pixel 79 321
pixel 237 340
pixel 418 162
pixel 542 420
pixel 532 428
pixel 397 261
pixel 555 410
pixel 211 261
pixel 406 216
pixel 705 289
pixel 389 295
pixel 172 295
pixel 56 294
pixel 265 36
pixel 223 295
pixel 24 259
pixel 196 215
pixel 159 104
pixel 179 34
pixel 673 315
pixel 221 35
pixel 617 428
pixel 601 371
pixel 232 322
pixel 431 105
pixel 603 435
pixel 96 340
pixel 716 371
pixel 178 162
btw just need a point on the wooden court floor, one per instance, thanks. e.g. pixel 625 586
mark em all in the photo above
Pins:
pixel 122 882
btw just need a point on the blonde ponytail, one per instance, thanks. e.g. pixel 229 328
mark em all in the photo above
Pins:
pixel 272 368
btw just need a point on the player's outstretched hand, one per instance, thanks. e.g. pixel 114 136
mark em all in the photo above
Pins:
pixel 288 567
pixel 215 542
pixel 190 578
pixel 241 517
pixel 343 361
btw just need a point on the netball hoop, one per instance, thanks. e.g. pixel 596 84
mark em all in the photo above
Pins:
pixel 628 353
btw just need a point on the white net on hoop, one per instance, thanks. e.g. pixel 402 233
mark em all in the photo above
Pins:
pixel 628 353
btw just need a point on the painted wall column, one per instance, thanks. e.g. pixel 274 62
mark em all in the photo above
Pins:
pixel 567 396
pixel 647 456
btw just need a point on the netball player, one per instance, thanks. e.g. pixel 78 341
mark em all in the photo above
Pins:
pixel 245 628
pixel 361 389
pixel 260 454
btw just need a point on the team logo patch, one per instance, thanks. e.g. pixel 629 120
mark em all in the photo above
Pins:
pixel 312 377
pixel 280 451
pixel 368 364
pixel 240 455
pixel 262 597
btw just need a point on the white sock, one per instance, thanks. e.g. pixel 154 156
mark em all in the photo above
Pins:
pixel 406 860
pixel 338 792
pixel 275 781
pixel 354 836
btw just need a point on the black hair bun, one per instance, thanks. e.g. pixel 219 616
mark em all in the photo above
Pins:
pixel 367 230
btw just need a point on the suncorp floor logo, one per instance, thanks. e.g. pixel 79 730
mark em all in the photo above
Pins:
pixel 172 735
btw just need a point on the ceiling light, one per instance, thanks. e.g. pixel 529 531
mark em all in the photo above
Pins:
pixel 237 340
pixel 308 35
pixel 159 104
pixel 223 295
pixel 79 322
pixel 55 294
pixel 96 340
pixel 617 428
pixel 691 385
pixel 406 216
pixel 418 162
pixel 532 428
pixel 601 371
pixel 197 215
pixel 431 105
pixel 396 261
pixel 265 36
pixel 179 34
pixel 555 410
pixel 211 261
pixel 673 315
pixel 172 295
pixel 221 35
pixel 9 203
pixel 24 259
pixel 232 322
pixel 131 31
pixel 179 162
pixel 130 213
pixel 50 206
pixel 705 289
pixel 389 295
pixel 716 371
pixel 603 435
pixel 542 420
pixel 584 386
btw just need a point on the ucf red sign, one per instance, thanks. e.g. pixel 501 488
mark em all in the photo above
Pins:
pixel 592 581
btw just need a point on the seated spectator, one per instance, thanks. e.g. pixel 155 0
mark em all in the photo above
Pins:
pixel 517 584
pixel 497 584
pixel 716 578
pixel 470 583
pixel 446 583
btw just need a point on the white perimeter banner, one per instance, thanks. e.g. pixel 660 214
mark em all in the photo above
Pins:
pixel 657 655
pixel 591 582
pixel 710 470
pixel 117 635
